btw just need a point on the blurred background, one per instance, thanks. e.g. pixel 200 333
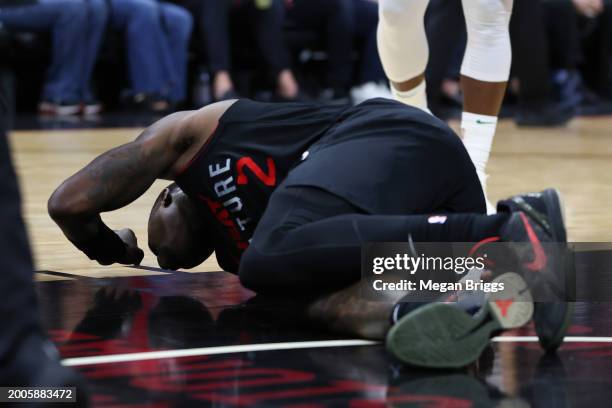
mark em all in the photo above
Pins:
pixel 78 62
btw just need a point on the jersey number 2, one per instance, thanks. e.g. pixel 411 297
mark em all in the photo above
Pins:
pixel 268 179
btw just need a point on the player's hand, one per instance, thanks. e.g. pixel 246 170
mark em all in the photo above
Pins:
pixel 133 255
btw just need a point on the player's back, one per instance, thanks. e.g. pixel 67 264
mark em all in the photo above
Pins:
pixel 252 150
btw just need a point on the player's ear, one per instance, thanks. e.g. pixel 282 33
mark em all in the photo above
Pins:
pixel 166 198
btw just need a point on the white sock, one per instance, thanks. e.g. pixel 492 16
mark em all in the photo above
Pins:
pixel 416 97
pixel 478 132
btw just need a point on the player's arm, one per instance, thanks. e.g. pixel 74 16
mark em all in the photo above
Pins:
pixel 113 180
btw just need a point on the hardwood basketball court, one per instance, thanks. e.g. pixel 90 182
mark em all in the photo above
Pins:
pixel 216 350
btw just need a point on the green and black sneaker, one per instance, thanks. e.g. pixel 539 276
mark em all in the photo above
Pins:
pixel 452 335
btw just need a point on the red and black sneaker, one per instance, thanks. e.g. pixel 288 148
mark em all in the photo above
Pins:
pixel 537 219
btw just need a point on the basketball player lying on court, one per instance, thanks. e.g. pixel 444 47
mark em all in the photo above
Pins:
pixel 286 194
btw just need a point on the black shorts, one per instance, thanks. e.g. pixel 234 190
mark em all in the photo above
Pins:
pixel 387 158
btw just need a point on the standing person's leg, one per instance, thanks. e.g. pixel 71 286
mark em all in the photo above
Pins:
pixel 97 22
pixel 561 25
pixel 268 25
pixel 216 15
pixel 531 63
pixel 178 24
pixel 604 50
pixel 531 54
pixel 28 358
pixel 371 77
pixel 565 54
pixel 67 20
pixel 335 21
pixel 146 45
pixel 340 32
pixel 488 55
pixel 365 21
pixel 17 294
pixel 196 9
pixel 484 76
pixel 339 26
pixel 403 49
pixel 444 25
pixel 596 48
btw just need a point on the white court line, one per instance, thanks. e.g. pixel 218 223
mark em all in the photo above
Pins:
pixel 244 348
pixel 516 339
pixel 570 339
pixel 206 351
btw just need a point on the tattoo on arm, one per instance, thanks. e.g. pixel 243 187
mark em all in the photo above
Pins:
pixel 122 175
pixel 111 181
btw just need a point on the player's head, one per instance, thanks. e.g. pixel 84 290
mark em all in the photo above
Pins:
pixel 177 233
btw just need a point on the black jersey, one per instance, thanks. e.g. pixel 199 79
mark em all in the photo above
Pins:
pixel 364 154
pixel 251 151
